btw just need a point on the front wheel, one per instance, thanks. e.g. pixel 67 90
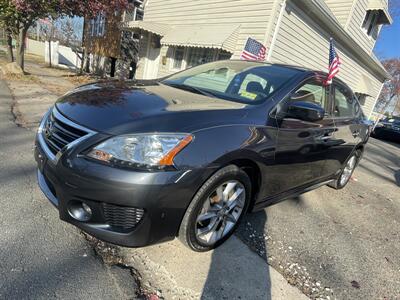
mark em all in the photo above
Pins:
pixel 347 171
pixel 216 209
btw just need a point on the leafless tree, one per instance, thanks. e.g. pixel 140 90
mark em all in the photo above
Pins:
pixel 67 31
pixel 390 94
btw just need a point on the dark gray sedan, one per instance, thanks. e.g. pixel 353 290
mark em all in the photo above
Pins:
pixel 142 162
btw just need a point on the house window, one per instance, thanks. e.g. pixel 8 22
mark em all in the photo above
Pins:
pixel 136 12
pixel 178 57
pixel 91 27
pixel 370 24
pixel 198 56
pixel 139 13
pixel 222 55
pixel 98 25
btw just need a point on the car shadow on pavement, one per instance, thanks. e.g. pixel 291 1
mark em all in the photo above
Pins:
pixel 235 272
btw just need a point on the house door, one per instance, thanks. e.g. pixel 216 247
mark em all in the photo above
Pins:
pixel 153 58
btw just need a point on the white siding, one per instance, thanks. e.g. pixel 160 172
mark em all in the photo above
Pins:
pixel 354 26
pixel 252 15
pixel 341 9
pixel 301 42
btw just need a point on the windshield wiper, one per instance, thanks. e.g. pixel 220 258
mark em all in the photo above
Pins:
pixel 192 89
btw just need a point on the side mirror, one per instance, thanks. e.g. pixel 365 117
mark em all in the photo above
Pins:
pixel 305 111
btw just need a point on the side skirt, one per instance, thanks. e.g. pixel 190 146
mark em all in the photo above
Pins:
pixel 289 194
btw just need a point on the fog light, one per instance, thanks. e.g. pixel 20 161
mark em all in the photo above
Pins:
pixel 80 211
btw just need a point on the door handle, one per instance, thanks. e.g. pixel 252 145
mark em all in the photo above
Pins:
pixel 326 137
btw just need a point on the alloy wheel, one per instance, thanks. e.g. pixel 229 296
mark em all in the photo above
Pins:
pixel 220 212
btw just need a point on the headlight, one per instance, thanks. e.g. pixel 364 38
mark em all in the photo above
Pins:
pixel 141 150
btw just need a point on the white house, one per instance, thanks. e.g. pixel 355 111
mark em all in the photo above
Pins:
pixel 176 34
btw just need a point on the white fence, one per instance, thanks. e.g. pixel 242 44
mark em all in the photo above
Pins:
pixel 60 55
pixel 35 47
pixel 68 57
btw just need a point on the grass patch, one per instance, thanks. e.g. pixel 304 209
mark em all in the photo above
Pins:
pixel 80 79
pixel 21 77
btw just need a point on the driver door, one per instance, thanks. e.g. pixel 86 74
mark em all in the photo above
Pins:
pixel 302 146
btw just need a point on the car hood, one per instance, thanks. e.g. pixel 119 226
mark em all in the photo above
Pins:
pixel 116 107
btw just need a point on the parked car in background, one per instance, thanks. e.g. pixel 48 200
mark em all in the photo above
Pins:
pixel 139 163
pixel 388 129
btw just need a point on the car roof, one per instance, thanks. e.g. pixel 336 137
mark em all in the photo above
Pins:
pixel 299 68
pixel 306 71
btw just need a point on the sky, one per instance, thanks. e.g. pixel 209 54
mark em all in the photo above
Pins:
pixel 388 44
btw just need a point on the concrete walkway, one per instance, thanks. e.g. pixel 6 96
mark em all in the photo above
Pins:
pixel 232 271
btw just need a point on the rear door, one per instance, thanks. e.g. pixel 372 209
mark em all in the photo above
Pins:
pixel 347 117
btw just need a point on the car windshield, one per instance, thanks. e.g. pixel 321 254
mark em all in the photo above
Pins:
pixel 241 81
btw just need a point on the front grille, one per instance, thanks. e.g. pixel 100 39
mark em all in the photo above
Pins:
pixel 123 217
pixel 57 133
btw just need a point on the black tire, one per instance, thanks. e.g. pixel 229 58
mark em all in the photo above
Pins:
pixel 336 184
pixel 187 229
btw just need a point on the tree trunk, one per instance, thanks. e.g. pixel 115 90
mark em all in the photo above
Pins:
pixel 21 46
pixel 10 53
pixel 50 53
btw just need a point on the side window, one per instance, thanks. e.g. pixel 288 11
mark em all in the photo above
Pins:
pixel 344 105
pixel 357 108
pixel 313 92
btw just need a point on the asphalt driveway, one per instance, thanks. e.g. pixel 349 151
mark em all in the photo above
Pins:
pixel 347 240
pixel 41 257
pixel 330 244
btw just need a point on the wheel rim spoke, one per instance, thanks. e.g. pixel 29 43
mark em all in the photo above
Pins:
pixel 206 216
pixel 210 228
pixel 231 218
pixel 234 200
pixel 220 212
pixel 229 187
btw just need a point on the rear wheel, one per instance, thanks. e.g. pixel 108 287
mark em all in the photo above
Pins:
pixel 347 171
pixel 216 209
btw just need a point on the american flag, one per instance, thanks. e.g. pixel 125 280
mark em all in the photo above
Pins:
pixel 334 62
pixel 253 50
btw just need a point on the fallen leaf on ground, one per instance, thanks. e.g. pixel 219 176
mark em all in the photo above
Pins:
pixel 355 284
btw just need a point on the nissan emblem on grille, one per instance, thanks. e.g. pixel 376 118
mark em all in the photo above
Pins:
pixel 48 130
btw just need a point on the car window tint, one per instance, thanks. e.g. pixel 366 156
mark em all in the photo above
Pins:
pixel 357 108
pixel 253 86
pixel 217 80
pixel 241 81
pixel 313 92
pixel 344 105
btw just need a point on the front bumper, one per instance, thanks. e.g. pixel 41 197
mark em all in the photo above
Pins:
pixel 163 196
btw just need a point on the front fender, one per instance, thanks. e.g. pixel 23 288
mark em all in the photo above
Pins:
pixel 217 146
